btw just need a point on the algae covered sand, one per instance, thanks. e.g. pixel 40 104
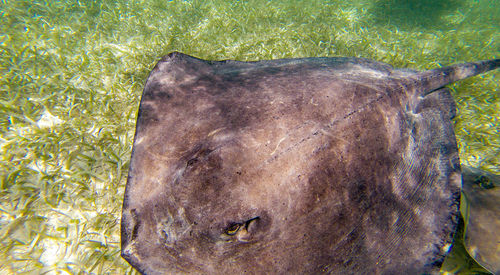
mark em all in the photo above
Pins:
pixel 72 72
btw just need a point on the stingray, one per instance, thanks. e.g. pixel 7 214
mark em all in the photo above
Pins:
pixel 482 213
pixel 301 166
pixel 476 247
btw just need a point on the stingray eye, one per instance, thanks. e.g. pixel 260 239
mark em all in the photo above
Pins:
pixel 484 182
pixel 232 229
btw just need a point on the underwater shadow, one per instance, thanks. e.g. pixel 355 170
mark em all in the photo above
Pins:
pixel 411 14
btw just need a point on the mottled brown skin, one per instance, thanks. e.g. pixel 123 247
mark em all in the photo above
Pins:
pixel 297 166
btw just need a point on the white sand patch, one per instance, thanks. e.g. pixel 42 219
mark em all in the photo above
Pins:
pixel 47 120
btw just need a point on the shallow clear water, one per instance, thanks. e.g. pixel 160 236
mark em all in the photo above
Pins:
pixel 71 76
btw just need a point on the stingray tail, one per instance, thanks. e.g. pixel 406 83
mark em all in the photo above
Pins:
pixel 437 78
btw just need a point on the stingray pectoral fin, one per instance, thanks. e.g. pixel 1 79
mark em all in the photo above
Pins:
pixel 432 80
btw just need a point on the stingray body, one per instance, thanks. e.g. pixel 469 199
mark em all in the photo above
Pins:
pixel 301 166
pixel 482 201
